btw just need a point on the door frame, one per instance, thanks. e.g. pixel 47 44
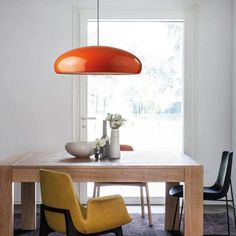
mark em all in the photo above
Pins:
pixel 79 85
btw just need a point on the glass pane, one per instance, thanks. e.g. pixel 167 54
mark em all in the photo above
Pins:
pixel 152 102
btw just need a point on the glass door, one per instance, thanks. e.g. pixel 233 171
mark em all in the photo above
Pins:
pixel 152 102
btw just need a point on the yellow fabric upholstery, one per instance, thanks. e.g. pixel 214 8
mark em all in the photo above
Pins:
pixel 109 212
pixel 101 214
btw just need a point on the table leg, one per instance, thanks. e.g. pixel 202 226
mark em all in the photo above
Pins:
pixel 193 201
pixel 6 201
pixel 28 206
pixel 170 205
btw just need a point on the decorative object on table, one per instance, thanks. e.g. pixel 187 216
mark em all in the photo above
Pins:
pixel 98 146
pixel 106 148
pixel 80 149
pixel 115 121
pixel 98 60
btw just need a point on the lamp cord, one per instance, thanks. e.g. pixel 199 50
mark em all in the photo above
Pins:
pixel 97 22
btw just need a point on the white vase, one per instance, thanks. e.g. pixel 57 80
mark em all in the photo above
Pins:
pixel 115 144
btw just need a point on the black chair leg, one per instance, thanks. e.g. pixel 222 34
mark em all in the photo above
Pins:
pixel 70 229
pixel 176 207
pixel 227 208
pixel 119 232
pixel 44 228
pixel 232 197
pixel 181 214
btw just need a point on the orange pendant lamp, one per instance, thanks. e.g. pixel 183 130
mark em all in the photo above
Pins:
pixel 97 60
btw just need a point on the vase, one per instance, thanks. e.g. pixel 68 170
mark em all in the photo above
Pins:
pixel 105 150
pixel 96 154
pixel 115 144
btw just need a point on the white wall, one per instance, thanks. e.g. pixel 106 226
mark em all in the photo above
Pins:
pixel 36 109
pixel 35 106
pixel 214 83
pixel 234 93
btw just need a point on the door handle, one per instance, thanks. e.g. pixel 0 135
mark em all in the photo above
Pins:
pixel 88 118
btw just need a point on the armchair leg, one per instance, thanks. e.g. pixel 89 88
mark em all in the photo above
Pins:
pixel 142 201
pixel 227 208
pixel 232 197
pixel 119 232
pixel 70 229
pixel 44 229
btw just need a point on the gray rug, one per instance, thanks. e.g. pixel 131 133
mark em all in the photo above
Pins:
pixel 214 224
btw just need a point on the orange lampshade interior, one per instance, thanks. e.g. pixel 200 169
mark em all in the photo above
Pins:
pixel 100 60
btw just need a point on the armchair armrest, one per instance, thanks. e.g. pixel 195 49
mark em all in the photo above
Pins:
pixel 104 213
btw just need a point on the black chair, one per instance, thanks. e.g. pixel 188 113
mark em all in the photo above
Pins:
pixel 214 193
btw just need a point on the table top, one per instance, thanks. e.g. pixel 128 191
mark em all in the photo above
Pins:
pixel 135 159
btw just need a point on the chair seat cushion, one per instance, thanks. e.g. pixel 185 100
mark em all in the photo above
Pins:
pixel 176 191
pixel 209 193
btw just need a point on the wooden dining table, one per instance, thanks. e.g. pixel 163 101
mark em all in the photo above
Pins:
pixel 168 167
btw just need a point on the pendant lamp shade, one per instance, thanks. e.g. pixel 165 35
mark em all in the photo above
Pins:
pixel 98 60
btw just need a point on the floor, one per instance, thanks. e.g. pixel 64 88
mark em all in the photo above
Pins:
pixel 161 209
pixel 139 226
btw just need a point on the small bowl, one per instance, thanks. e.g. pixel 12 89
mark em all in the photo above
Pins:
pixel 80 149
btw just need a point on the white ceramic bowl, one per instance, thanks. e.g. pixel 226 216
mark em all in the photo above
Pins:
pixel 80 149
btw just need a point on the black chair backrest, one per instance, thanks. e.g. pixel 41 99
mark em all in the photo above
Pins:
pixel 224 175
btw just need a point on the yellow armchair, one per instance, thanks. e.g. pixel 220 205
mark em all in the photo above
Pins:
pixel 62 212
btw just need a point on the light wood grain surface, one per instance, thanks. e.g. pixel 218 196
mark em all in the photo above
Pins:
pixel 6 201
pixel 170 167
pixel 193 195
pixel 147 159
pixel 28 206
